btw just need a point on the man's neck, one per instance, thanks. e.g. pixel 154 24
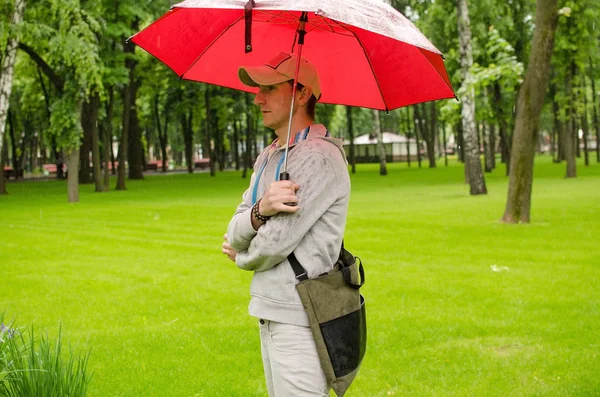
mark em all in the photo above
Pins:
pixel 298 124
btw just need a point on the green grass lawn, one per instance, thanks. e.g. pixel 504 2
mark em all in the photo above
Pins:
pixel 138 278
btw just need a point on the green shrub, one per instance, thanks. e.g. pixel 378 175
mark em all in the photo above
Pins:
pixel 31 366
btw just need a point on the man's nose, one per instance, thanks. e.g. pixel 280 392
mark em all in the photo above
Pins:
pixel 259 99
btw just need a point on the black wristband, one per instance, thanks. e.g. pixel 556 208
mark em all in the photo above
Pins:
pixel 257 214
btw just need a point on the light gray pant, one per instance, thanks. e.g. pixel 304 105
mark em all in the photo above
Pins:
pixel 291 362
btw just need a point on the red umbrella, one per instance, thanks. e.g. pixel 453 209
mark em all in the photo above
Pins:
pixel 366 52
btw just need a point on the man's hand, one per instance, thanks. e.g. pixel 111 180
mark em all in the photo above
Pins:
pixel 228 250
pixel 276 196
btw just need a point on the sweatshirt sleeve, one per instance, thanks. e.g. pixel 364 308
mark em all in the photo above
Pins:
pixel 240 231
pixel 320 184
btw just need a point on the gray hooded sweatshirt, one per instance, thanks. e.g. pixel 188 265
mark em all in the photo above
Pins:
pixel 314 233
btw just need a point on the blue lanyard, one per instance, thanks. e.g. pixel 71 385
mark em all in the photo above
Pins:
pixel 262 168
pixel 302 135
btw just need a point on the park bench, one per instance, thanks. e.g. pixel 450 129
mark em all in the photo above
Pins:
pixel 202 164
pixel 9 172
pixel 155 165
pixel 109 164
pixel 50 168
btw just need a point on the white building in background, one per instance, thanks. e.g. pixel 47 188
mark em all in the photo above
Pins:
pixel 396 146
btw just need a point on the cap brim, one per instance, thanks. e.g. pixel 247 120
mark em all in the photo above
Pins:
pixel 260 75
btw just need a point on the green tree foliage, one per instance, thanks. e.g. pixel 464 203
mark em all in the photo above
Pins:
pixel 65 36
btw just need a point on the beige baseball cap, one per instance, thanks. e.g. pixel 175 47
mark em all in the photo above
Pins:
pixel 281 69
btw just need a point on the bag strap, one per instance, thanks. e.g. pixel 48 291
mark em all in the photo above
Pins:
pixel 301 274
pixel 298 269
pixel 348 276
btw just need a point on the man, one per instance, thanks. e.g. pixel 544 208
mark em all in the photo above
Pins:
pixel 265 228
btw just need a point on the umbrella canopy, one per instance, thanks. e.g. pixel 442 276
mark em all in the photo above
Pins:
pixel 367 53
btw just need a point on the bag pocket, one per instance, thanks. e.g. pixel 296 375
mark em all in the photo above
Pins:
pixel 342 336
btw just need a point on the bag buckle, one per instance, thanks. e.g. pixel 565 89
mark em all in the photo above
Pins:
pixel 302 277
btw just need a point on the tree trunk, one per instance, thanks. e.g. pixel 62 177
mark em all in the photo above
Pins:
pixel 431 134
pixel 351 138
pixel 85 171
pixel 136 149
pixel 493 144
pixel 570 130
pixel 418 131
pixel 47 114
pixel 460 146
pixel 492 137
pixel 7 68
pixel 556 127
pixel 472 159
pixel 576 139
pixel 72 179
pixel 584 122
pixel 13 142
pixel 124 139
pixel 89 123
pixel 3 159
pixel 531 98
pixel 407 120
pixel 96 165
pixel 445 144
pixel 249 124
pixel 380 147
pixel 219 142
pixel 33 153
pixel 562 141
pixel 146 149
pixel 188 135
pixel 162 134
pixel 502 126
pixel 595 114
pixel 236 142
pixel 426 130
pixel 209 125
pixel 488 148
pixel 127 104
pixel 108 151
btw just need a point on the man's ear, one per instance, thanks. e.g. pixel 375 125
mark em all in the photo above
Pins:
pixel 305 94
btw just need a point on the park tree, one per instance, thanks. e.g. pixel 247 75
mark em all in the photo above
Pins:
pixel 130 16
pixel 350 124
pixel 156 104
pixel 380 148
pixel 6 75
pixel 62 40
pixel 576 45
pixel 473 169
pixel 529 106
pixel 495 79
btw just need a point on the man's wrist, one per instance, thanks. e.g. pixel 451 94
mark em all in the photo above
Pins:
pixel 256 213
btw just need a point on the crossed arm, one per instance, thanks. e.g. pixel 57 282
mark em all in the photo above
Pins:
pixel 256 246
pixel 272 203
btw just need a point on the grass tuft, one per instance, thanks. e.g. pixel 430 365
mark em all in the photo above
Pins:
pixel 37 366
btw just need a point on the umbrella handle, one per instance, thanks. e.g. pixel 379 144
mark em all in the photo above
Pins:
pixel 284 176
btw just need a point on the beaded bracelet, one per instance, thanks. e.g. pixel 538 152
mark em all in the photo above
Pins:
pixel 257 214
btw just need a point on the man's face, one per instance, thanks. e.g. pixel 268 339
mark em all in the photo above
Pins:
pixel 274 102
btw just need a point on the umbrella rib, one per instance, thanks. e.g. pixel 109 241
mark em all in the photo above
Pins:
pixel 285 16
pixel 288 18
pixel 438 72
pixel 209 46
pixel 368 60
